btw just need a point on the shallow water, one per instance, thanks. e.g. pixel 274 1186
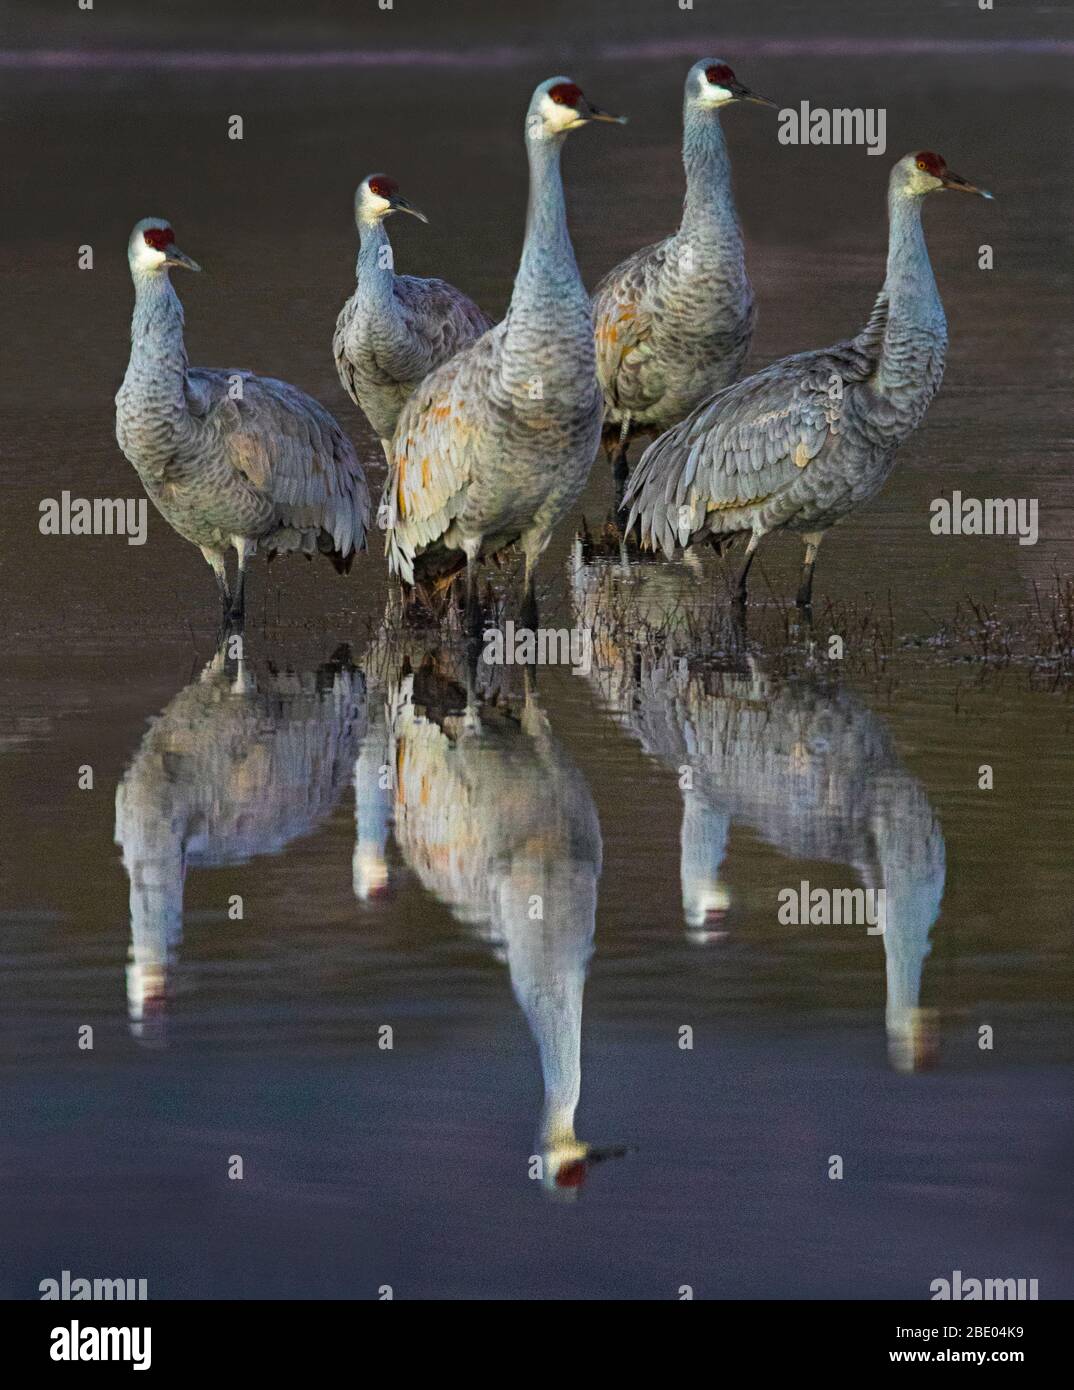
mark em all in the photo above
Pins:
pixel 259 1037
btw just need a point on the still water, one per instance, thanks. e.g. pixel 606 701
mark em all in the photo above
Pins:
pixel 644 1087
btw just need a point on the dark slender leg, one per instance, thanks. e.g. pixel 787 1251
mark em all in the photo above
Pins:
pixel 529 615
pixel 215 560
pixel 620 473
pixel 238 599
pixel 805 588
pixel 751 551
pixel 473 604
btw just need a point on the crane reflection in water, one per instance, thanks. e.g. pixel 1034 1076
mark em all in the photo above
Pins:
pixel 801 761
pixel 496 821
pixel 241 763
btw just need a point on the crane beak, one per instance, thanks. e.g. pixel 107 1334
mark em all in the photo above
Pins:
pixel 180 259
pixel 588 112
pixel 740 93
pixel 398 204
pixel 961 185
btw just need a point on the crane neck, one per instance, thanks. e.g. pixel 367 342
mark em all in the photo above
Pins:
pixel 915 316
pixel 375 268
pixel 909 283
pixel 709 208
pixel 547 255
pixel 158 360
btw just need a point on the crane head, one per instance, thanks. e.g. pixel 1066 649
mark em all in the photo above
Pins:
pixel 152 249
pixel 924 172
pixel 559 105
pixel 711 84
pixel 378 197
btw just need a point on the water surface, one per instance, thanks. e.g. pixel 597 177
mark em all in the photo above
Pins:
pixel 365 908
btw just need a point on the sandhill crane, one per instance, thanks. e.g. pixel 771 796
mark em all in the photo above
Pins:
pixel 804 441
pixel 395 329
pixel 238 765
pixel 496 444
pixel 229 459
pixel 497 822
pixel 802 763
pixel 674 321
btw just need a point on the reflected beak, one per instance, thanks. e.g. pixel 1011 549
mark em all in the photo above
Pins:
pixel 741 93
pixel 398 204
pixel 602 1155
pixel 180 259
pixel 961 185
pixel 588 112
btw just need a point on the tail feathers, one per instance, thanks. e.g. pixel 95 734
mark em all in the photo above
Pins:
pixel 651 483
pixel 293 540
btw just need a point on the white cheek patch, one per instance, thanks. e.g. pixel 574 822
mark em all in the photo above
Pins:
pixel 555 116
pixel 713 93
pixel 149 258
pixel 373 203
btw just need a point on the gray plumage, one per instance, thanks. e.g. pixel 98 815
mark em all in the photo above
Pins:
pixel 239 764
pixel 802 443
pixel 802 763
pixel 229 459
pixel 673 322
pixel 496 444
pixel 395 329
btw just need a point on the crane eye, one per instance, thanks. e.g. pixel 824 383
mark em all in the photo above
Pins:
pixel 921 164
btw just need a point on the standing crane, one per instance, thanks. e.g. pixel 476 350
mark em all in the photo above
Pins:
pixel 395 329
pixel 674 321
pixel 803 442
pixel 497 443
pixel 229 459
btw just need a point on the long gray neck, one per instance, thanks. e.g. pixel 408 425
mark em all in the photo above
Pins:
pixel 375 270
pixel 915 318
pixel 547 256
pixel 158 361
pixel 709 209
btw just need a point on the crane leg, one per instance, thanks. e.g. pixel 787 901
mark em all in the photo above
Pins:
pixel 215 560
pixel 805 588
pixel 473 605
pixel 529 615
pixel 751 550
pixel 616 441
pixel 620 472
pixel 244 549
